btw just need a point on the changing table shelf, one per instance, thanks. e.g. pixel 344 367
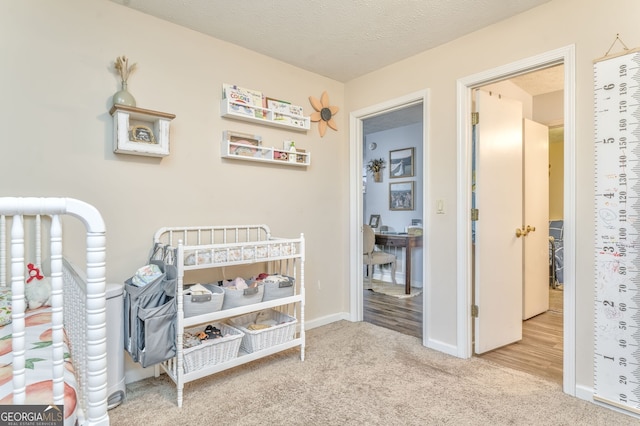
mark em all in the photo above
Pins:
pixel 243 358
pixel 228 313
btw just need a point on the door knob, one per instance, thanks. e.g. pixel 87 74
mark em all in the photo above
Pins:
pixel 519 233
pixel 530 228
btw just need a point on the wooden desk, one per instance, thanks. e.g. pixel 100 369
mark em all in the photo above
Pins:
pixel 402 240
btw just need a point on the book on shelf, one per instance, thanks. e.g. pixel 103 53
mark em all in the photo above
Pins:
pixel 283 108
pixel 243 100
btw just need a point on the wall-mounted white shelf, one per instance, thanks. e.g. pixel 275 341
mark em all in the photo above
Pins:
pixel 263 154
pixel 263 116
pixel 140 131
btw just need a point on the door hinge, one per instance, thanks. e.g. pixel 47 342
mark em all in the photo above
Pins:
pixel 475 118
pixel 474 214
pixel 474 311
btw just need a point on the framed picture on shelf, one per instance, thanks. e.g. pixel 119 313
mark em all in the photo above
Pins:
pixel 141 133
pixel 242 138
pixel 401 163
pixel 374 221
pixel 300 156
pixel 242 143
pixel 401 196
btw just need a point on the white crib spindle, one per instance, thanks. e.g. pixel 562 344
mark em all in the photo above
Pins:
pixel 3 251
pixel 56 306
pixel 96 318
pixel 38 241
pixel 18 307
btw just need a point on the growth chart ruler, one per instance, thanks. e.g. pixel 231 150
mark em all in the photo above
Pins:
pixel 617 231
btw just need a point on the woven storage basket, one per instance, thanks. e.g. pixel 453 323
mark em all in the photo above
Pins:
pixel 234 298
pixel 214 351
pixel 202 304
pixel 275 288
pixel 255 340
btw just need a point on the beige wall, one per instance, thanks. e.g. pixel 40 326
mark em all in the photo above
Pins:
pixel 591 26
pixel 56 139
pixel 556 173
pixel 548 109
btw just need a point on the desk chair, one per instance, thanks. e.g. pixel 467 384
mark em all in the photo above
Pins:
pixel 371 256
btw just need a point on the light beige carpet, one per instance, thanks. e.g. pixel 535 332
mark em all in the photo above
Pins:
pixel 361 374
pixel 390 289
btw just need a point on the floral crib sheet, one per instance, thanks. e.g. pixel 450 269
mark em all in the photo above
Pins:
pixel 38 364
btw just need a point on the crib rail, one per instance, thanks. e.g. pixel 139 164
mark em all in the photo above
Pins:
pixel 90 343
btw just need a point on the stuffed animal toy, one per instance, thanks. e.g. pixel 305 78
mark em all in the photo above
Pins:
pixel 38 288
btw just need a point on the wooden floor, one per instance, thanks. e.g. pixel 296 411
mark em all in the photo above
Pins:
pixel 401 315
pixel 539 352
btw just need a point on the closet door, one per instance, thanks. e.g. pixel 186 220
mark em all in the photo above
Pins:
pixel 498 251
pixel 536 216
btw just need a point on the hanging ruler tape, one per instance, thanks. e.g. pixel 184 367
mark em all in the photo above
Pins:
pixel 617 231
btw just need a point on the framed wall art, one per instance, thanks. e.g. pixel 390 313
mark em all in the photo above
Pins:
pixel 401 196
pixel 374 220
pixel 401 163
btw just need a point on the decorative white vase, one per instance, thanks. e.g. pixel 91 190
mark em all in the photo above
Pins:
pixel 123 97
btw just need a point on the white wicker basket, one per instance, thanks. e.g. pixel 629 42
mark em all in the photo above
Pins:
pixel 214 351
pixel 255 340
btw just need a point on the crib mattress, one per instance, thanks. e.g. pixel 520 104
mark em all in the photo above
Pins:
pixel 38 364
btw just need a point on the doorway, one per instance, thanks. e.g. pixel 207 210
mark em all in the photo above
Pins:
pixel 534 341
pixel 565 56
pixel 394 140
pixel 356 191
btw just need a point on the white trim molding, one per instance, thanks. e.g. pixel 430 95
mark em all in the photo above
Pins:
pixel 355 197
pixel 565 56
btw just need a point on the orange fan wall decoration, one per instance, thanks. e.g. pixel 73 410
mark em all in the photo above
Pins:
pixel 324 113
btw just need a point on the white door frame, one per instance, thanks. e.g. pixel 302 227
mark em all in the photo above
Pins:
pixel 355 197
pixel 566 56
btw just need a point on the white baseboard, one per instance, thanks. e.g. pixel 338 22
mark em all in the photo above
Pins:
pixel 443 347
pixel 319 322
pixel 400 278
pixel 586 393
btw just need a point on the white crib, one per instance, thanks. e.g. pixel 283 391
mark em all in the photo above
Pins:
pixel 32 228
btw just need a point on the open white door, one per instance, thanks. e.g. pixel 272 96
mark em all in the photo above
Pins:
pixel 498 251
pixel 536 217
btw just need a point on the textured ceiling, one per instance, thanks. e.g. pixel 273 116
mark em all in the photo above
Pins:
pixel 540 82
pixel 339 39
